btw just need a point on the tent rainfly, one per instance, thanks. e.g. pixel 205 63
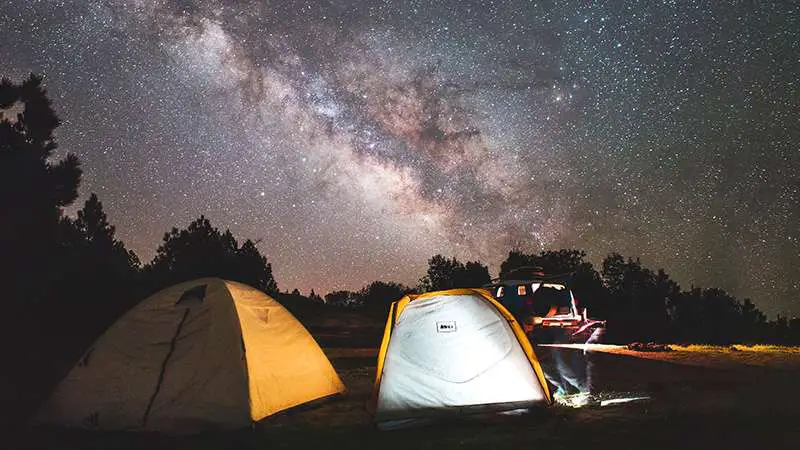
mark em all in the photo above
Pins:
pixel 204 354
pixel 453 352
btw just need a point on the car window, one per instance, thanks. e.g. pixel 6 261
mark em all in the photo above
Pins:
pixel 546 298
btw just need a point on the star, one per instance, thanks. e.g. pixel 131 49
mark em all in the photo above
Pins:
pixel 662 131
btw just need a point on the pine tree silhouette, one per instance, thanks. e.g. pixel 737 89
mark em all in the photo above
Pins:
pixel 201 250
pixel 33 189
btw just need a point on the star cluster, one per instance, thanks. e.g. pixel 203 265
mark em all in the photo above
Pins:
pixel 357 139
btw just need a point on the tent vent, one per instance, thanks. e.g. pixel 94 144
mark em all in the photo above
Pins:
pixel 193 296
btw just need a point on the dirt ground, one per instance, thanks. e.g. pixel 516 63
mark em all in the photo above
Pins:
pixel 700 397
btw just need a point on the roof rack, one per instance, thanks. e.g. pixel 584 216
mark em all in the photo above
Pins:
pixel 531 273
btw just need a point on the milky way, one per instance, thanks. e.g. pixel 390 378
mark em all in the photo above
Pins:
pixel 356 140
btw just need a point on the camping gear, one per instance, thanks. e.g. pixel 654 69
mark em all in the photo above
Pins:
pixel 453 352
pixel 203 354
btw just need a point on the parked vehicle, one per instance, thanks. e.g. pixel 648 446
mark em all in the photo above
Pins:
pixel 545 306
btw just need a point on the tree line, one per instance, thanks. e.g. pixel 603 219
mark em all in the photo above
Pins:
pixel 638 304
pixel 67 279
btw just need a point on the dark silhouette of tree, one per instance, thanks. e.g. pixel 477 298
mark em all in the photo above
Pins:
pixel 474 274
pixel 342 299
pixel 794 331
pixel 778 331
pixel 442 273
pixel 752 322
pixel 713 316
pixel 33 189
pixel 101 277
pixel 314 297
pixel 551 261
pixel 449 273
pixel 515 260
pixel 377 296
pixel 92 224
pixel 201 250
pixel 251 265
pixel 302 307
pixel 638 299
pixel 719 316
pixel 664 291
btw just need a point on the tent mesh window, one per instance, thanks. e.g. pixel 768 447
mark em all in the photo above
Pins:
pixel 193 296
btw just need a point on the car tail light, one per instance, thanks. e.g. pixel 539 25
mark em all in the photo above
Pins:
pixel 559 323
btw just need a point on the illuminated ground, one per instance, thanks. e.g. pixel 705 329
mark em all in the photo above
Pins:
pixel 768 356
pixel 701 397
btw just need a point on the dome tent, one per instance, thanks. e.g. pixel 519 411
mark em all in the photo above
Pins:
pixel 203 354
pixel 453 352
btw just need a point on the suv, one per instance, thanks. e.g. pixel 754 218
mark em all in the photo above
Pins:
pixel 545 306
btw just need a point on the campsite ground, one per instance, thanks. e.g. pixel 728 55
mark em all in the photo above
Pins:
pixel 700 397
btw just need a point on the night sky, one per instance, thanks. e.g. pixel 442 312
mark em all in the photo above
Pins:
pixel 357 139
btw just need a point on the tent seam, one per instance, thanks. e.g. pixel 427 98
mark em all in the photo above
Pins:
pixel 244 351
pixel 164 367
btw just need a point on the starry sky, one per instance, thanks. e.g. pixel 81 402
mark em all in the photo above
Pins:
pixel 357 139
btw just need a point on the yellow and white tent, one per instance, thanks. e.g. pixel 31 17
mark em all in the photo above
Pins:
pixel 453 352
pixel 207 353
